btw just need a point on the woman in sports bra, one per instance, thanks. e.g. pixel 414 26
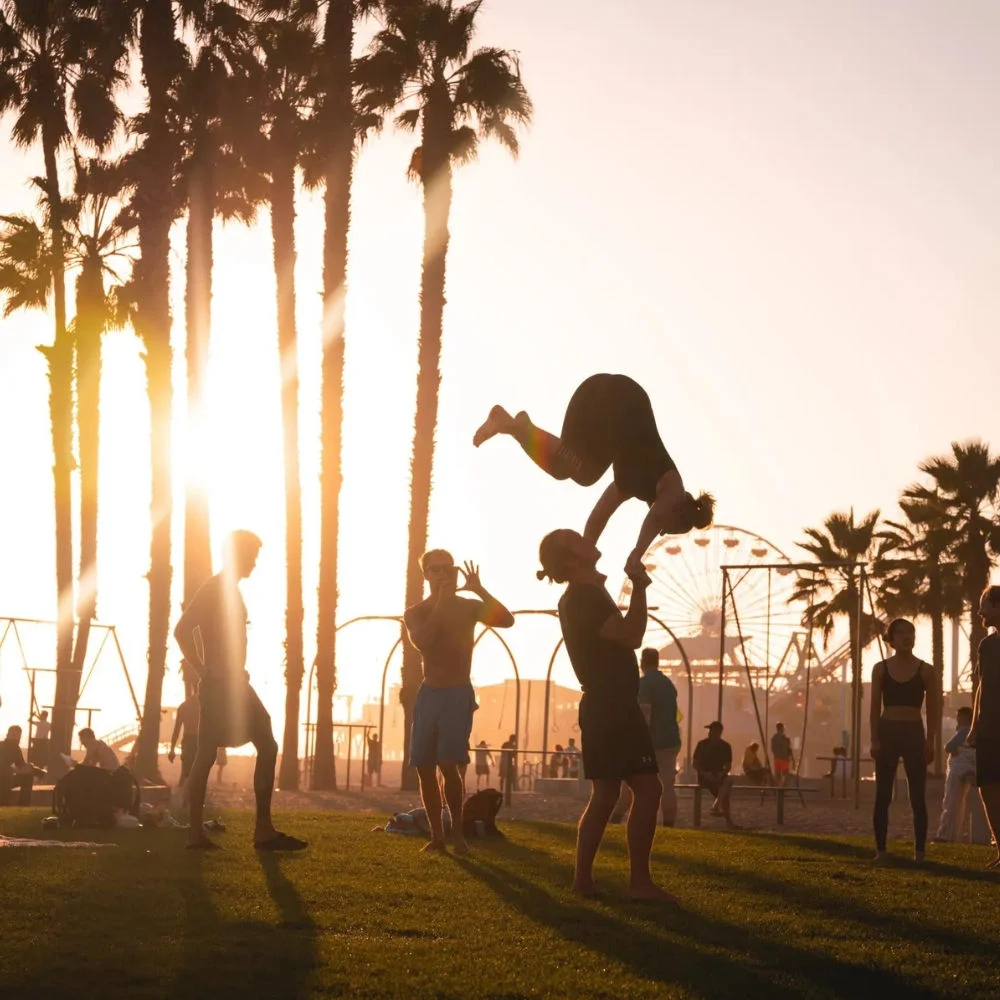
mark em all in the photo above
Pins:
pixel 900 685
pixel 609 423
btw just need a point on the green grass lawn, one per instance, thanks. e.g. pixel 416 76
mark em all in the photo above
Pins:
pixel 366 915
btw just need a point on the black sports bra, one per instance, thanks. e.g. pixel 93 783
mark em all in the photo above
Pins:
pixel 909 693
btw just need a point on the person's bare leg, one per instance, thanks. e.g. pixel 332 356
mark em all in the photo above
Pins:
pixel 725 796
pixel 990 794
pixel 197 781
pixel 603 796
pixel 430 794
pixel 639 834
pixel 454 793
pixel 263 787
pixel 546 450
pixel 668 777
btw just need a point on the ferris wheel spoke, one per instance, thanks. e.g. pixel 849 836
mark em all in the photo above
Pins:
pixel 679 595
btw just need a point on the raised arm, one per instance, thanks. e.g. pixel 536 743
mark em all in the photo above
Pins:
pixel 491 612
pixel 608 502
pixel 629 631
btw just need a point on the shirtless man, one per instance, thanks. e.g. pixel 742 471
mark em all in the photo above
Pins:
pixel 212 635
pixel 442 629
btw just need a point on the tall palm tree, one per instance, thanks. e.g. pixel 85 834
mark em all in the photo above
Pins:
pixel 833 590
pixel 923 580
pixel 150 27
pixel 55 77
pixel 287 53
pixel 967 483
pixel 217 182
pixel 422 66
pixel 95 246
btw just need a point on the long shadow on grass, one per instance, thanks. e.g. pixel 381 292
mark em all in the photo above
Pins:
pixel 245 958
pixel 723 959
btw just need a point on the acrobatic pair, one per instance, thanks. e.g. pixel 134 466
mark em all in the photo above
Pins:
pixel 609 423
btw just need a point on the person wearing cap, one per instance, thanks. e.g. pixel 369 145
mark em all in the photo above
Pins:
pixel 781 754
pixel 713 760
pixel 212 635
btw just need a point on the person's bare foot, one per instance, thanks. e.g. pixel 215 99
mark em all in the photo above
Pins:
pixel 650 893
pixel 993 865
pixel 587 889
pixel 498 422
pixel 919 857
pixel 435 845
pixel 459 845
pixel 880 857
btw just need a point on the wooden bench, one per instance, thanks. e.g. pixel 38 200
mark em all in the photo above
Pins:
pixel 780 791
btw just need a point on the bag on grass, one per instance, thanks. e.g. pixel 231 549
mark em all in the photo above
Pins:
pixel 482 807
pixel 87 797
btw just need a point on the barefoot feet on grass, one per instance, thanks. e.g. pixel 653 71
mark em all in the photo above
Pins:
pixel 459 846
pixel 587 889
pixel 650 893
pixel 435 845
pixel 498 422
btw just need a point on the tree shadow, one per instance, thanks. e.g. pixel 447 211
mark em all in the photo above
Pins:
pixel 677 947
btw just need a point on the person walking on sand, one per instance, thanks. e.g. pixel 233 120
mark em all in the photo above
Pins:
pixel 442 629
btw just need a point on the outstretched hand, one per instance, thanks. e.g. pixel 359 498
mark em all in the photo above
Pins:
pixel 635 569
pixel 471 572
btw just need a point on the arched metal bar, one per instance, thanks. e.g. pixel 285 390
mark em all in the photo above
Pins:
pixel 381 700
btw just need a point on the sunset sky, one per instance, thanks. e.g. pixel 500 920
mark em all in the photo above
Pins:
pixel 780 217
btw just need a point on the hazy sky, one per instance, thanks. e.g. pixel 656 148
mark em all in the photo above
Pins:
pixel 780 217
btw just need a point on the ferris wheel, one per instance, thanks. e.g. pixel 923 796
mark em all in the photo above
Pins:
pixel 763 626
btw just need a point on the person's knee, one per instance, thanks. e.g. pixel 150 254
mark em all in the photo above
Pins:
pixel 267 747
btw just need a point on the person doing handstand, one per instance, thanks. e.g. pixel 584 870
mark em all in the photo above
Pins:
pixel 609 423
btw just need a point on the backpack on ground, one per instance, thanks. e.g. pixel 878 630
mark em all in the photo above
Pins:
pixel 482 807
pixel 87 797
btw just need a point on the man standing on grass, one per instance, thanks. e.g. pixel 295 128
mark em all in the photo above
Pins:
pixel 616 747
pixel 442 628
pixel 212 635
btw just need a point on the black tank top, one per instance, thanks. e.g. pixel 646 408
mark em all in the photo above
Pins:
pixel 909 693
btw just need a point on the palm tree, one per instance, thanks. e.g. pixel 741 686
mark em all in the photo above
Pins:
pixel 967 484
pixel 94 239
pixel 833 589
pixel 421 65
pixel 55 76
pixel 151 27
pixel 217 181
pixel 923 580
pixel 287 52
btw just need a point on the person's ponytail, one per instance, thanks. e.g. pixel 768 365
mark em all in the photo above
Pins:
pixel 702 510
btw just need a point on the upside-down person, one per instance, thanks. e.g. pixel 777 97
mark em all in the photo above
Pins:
pixel 609 423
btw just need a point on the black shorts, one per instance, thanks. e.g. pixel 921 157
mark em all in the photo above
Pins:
pixel 710 784
pixel 231 714
pixel 609 422
pixel 614 740
pixel 987 762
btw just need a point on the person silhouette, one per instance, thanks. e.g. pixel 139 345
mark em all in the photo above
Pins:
pixel 609 423
pixel 212 635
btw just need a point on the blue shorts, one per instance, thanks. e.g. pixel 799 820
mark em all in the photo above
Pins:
pixel 442 725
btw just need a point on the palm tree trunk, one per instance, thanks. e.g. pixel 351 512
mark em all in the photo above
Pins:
pixel 436 178
pixel 198 307
pixel 89 330
pixel 338 112
pixel 60 358
pixel 152 277
pixel 283 240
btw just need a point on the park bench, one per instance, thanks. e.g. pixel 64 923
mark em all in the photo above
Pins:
pixel 41 795
pixel 779 791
